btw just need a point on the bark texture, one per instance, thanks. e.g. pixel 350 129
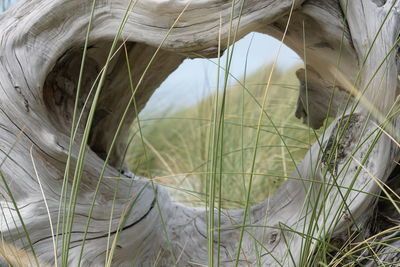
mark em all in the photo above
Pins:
pixel 343 43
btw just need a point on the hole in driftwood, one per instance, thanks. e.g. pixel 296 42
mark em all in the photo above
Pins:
pixel 60 88
pixel 177 121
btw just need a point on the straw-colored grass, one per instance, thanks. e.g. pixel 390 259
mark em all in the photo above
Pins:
pixel 177 145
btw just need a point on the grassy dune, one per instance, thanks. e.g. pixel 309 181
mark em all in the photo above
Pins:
pixel 176 150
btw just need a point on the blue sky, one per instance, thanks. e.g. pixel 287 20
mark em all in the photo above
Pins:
pixel 4 4
pixel 197 78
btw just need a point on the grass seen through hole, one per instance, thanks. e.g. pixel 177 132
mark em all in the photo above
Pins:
pixel 177 144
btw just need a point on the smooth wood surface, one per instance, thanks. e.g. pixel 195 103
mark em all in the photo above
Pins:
pixel 41 48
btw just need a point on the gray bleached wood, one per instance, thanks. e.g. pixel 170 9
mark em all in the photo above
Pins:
pixel 39 62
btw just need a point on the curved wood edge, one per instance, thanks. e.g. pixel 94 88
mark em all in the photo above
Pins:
pixel 30 54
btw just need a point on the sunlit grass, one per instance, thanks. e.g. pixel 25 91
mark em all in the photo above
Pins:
pixel 205 154
pixel 177 145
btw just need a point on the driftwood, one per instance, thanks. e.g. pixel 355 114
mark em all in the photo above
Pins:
pixel 342 43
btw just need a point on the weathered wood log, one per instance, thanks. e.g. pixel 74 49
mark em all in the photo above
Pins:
pixel 41 49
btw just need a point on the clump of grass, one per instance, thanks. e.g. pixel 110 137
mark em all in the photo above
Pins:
pixel 177 145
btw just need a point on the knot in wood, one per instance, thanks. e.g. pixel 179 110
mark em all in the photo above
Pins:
pixel 341 142
pixel 273 238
